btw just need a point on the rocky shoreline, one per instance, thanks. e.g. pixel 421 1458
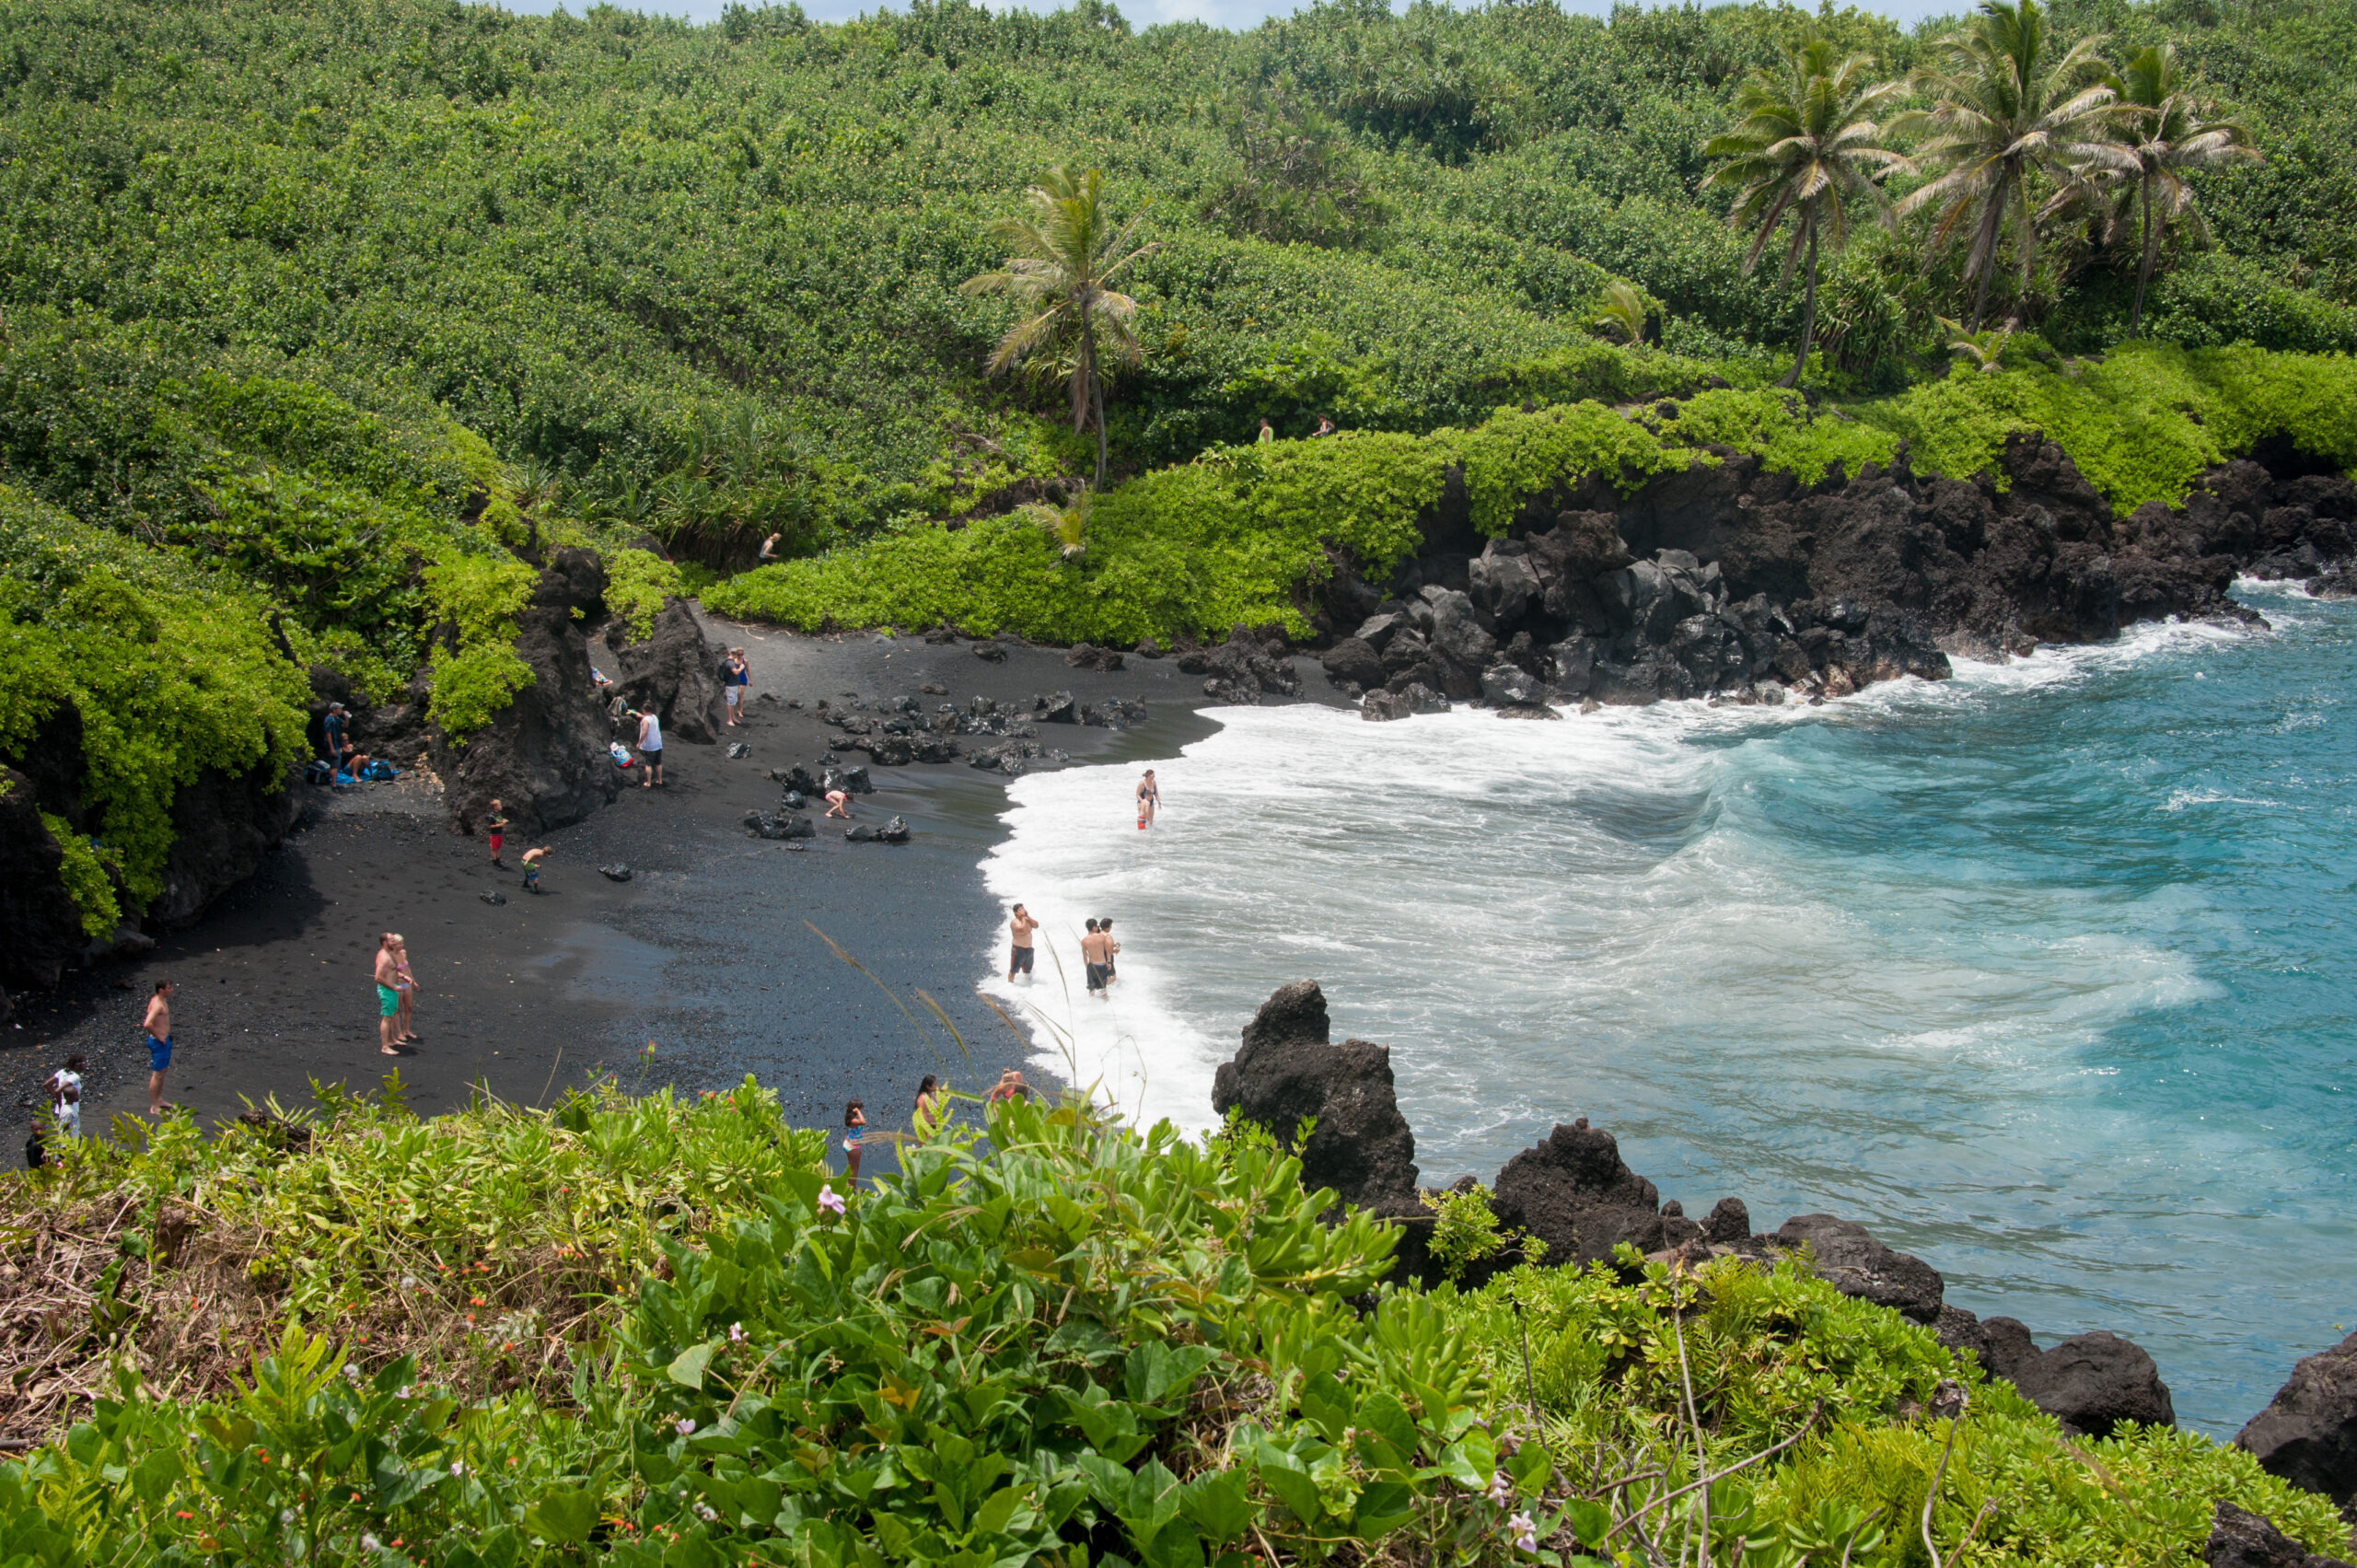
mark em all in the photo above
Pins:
pixel 1737 584
pixel 1572 1191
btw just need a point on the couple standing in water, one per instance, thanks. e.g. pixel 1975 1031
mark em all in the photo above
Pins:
pixel 1097 949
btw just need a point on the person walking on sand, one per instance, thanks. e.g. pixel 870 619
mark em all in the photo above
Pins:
pixel 65 1090
pixel 158 1024
pixel 926 1119
pixel 1018 958
pixel 1092 954
pixel 1149 800
pixel 532 858
pixel 407 986
pixel 734 676
pixel 495 832
pixel 854 1126
pixel 389 996
pixel 650 750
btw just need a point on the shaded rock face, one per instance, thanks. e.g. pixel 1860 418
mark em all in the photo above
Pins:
pixel 1573 1192
pixel 1289 1067
pixel 1730 580
pixel 1856 1264
pixel 2307 1433
pixel 543 756
pixel 2240 1538
pixel 2092 1382
pixel 40 931
pixel 223 825
pixel 1240 669
pixel 673 673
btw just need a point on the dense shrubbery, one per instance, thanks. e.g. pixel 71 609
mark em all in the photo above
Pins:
pixel 643 1332
pixel 170 666
pixel 1226 540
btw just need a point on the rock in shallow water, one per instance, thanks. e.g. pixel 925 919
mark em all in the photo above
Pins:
pixel 1288 1067
pixel 2093 1382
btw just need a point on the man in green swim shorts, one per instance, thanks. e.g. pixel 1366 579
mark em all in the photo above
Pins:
pixel 388 994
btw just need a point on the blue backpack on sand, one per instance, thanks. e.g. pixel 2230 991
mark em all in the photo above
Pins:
pixel 378 771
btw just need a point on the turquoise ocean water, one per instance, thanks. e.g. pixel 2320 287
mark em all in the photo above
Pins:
pixel 2048 973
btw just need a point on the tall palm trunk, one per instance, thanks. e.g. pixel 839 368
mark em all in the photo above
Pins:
pixel 1094 394
pixel 1808 302
pixel 1993 222
pixel 2152 250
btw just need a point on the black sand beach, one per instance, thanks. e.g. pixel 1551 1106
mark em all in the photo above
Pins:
pixel 708 956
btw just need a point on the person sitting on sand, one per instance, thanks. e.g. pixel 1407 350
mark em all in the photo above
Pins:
pixel 855 1126
pixel 838 803
pixel 532 858
pixel 389 996
pixel 650 748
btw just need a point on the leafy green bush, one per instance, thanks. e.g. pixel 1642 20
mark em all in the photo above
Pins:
pixel 85 876
pixel 637 582
pixel 170 665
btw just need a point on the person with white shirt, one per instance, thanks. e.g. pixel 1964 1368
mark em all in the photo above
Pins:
pixel 65 1090
pixel 650 750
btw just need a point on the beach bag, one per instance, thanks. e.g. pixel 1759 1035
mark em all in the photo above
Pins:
pixel 620 754
pixel 378 771
pixel 319 773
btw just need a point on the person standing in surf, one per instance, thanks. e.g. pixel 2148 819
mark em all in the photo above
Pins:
pixel 1019 956
pixel 1092 953
pixel 1149 800
pixel 1105 930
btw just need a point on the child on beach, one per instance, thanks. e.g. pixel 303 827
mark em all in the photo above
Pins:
pixel 532 858
pixel 65 1090
pixel 927 1118
pixel 494 831
pixel 838 803
pixel 855 1124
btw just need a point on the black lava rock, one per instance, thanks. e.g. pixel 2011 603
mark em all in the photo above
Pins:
pixel 617 872
pixel 2307 1433
pixel 2092 1382
pixel 1289 1067
pixel 2240 1538
pixel 1573 1192
pixel 1856 1264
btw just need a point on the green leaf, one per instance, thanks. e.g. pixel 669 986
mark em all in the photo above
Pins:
pixel 687 1367
pixel 1217 1505
pixel 564 1518
pixel 1588 1520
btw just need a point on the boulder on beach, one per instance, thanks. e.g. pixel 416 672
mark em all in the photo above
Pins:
pixel 2093 1382
pixel 672 672
pixel 1289 1067
pixel 1573 1192
pixel 1380 706
pixel 895 830
pixel 1350 660
pixel 1510 686
pixel 1854 1263
pixel 617 872
pixel 2240 1538
pixel 543 755
pixel 1055 707
pixel 2307 1433
pixel 1088 656
pixel 739 750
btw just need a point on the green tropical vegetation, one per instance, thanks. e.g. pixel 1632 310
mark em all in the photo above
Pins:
pixel 648 1330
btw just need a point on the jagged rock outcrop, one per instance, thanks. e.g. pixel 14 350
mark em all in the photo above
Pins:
pixel 2307 1433
pixel 221 826
pixel 1729 580
pixel 673 672
pixel 2240 1538
pixel 1241 668
pixel 543 756
pixel 40 931
pixel 2093 1382
pixel 1854 1263
pixel 1289 1067
pixel 1574 1194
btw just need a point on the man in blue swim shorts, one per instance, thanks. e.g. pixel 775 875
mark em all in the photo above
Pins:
pixel 159 1044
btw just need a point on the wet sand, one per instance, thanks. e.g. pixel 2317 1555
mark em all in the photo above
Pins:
pixel 708 965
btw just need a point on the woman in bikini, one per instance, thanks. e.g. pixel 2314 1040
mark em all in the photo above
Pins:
pixel 407 985
pixel 855 1124
pixel 1149 798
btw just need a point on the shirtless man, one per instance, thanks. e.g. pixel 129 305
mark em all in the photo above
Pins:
pixel 1092 954
pixel 1018 959
pixel 159 1044
pixel 389 995
pixel 1149 798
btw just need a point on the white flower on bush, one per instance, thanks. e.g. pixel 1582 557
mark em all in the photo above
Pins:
pixel 1525 1532
pixel 736 1335
pixel 370 1543
pixel 457 1466
pixel 684 1425
pixel 829 1201
pixel 1501 1489
pixel 707 1513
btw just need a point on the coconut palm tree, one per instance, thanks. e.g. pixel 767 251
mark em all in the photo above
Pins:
pixel 1066 254
pixel 2168 133
pixel 2008 107
pixel 1806 143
